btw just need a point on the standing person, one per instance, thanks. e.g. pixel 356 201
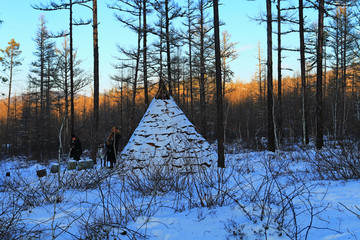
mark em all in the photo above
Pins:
pixel 101 154
pixel 112 146
pixel 75 146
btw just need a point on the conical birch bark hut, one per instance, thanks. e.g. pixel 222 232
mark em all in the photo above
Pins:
pixel 166 137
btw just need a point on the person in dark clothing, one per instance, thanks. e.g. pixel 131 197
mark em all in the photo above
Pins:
pixel 112 146
pixel 75 148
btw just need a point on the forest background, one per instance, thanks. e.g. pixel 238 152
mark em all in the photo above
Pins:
pixel 181 53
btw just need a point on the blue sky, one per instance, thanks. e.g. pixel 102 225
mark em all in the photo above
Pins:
pixel 21 23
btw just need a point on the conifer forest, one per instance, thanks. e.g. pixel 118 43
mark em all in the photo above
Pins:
pixel 319 100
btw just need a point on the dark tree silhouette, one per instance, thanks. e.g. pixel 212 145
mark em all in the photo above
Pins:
pixel 219 93
pixel 319 76
pixel 271 135
pixel 96 82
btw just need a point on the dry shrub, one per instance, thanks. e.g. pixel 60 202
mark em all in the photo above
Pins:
pixel 338 163
pixel 85 179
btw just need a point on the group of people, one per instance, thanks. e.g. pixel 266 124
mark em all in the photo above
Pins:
pixel 108 150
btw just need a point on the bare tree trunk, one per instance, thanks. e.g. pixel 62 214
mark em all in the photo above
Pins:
pixel 41 132
pixel 132 124
pixel 260 72
pixel 261 90
pixel 358 106
pixel 121 108
pixel 178 74
pixel 14 129
pixel 271 135
pixel 344 82
pixel 319 58
pixel 47 116
pixel 336 72
pixel 219 100
pixel 191 85
pixel 9 95
pixel 146 95
pixel 96 82
pixel 168 54
pixel 202 74
pixel 161 75
pixel 279 120
pixel 72 114
pixel 305 134
pixel 325 71
pixel 190 61
pixel 66 134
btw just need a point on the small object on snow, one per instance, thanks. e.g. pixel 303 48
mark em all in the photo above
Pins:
pixel 41 173
pixel 8 174
pixel 85 164
pixel 55 168
pixel 71 165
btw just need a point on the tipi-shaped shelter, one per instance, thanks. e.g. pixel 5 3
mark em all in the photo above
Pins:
pixel 166 137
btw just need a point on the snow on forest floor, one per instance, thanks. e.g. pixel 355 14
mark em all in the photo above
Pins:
pixel 259 195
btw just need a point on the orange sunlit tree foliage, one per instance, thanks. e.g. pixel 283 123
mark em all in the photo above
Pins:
pixel 244 112
pixel 3 110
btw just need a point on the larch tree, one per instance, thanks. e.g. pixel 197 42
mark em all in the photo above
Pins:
pixel 172 11
pixel 262 85
pixel 335 39
pixel 10 61
pixel 342 37
pixel 122 80
pixel 159 48
pixel 169 10
pixel 188 37
pixel 283 17
pixel 63 84
pixel 228 54
pixel 131 17
pixel 165 43
pixel 41 80
pixel 203 43
pixel 349 37
pixel 304 113
pixel 355 82
pixel 145 31
pixel 68 5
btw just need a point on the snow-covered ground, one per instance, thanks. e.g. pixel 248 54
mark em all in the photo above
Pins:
pixel 260 195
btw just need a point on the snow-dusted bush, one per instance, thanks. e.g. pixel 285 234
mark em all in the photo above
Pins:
pixel 154 180
pixel 13 202
pixel 83 180
pixel 210 187
pixel 271 200
pixel 99 229
pixel 32 192
pixel 235 230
